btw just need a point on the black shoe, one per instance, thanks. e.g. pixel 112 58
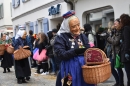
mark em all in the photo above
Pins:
pixel 27 78
pixel 116 84
pixel 4 72
pixel 8 69
pixel 121 85
pixel 19 81
pixel 23 81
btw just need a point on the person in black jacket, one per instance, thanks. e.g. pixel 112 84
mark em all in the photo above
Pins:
pixel 125 48
pixel 114 40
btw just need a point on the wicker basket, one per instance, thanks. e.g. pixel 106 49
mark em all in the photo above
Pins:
pixel 2 49
pixel 21 53
pixel 10 49
pixel 98 71
pixel 96 74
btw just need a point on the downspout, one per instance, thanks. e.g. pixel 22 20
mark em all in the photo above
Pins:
pixel 71 4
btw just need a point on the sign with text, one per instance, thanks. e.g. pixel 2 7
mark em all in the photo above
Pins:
pixel 54 10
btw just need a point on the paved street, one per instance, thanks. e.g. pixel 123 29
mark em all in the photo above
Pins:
pixel 8 79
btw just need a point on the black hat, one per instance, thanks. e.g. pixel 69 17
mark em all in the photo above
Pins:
pixel 87 27
pixel 55 30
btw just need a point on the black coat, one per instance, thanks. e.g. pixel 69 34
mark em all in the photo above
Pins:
pixel 7 60
pixel 125 48
pixel 22 68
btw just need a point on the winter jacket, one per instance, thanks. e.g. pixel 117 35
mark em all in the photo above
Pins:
pixel 115 42
pixel 125 44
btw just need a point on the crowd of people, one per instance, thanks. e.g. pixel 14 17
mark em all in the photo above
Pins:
pixel 65 48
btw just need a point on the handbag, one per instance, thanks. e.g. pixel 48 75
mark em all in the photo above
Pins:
pixel 34 51
pixel 118 63
pixel 40 57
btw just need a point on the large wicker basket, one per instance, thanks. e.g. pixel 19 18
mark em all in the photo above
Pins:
pixel 96 72
pixel 21 53
pixel 10 49
pixel 2 49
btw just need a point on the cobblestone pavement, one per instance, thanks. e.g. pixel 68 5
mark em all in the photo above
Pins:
pixel 8 79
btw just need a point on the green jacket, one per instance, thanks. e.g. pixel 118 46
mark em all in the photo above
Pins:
pixel 5 41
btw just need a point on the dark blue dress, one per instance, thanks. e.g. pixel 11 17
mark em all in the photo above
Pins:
pixel 70 62
pixel 22 68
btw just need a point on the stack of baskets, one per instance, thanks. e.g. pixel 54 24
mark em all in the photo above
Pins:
pixel 97 68
pixel 2 49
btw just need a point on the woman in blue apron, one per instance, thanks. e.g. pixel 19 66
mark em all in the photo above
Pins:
pixel 69 47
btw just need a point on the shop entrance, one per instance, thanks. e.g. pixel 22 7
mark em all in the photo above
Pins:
pixel 101 20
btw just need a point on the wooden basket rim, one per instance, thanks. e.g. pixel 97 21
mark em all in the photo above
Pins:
pixel 96 66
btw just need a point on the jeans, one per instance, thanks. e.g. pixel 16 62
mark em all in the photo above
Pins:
pixel 118 74
pixel 127 69
pixel 53 64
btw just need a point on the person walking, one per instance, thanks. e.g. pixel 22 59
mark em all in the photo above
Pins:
pixel 7 59
pixel 22 68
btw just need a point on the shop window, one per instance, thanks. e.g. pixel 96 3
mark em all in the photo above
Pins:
pixel 36 27
pixel 16 29
pixel 31 26
pixel 1 11
pixel 15 3
pixel 40 25
pixel 45 25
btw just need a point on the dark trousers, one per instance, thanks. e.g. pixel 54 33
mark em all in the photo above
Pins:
pixel 127 69
pixel 58 80
pixel 45 66
pixel 118 74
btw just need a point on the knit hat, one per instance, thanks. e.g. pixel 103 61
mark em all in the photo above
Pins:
pixel 68 14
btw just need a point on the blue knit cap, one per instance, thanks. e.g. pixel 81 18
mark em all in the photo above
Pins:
pixel 68 14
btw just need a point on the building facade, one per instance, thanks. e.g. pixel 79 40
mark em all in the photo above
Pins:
pixel 100 12
pixel 38 15
pixel 5 16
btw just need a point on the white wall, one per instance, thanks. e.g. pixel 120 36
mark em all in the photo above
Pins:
pixel 1 20
pixel 7 12
pixel 25 7
pixel 41 14
pixel 119 7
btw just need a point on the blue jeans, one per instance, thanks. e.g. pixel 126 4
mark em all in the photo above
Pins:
pixel 118 74
pixel 53 64
pixel 127 69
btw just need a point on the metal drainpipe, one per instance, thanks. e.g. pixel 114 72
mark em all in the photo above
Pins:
pixel 71 4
